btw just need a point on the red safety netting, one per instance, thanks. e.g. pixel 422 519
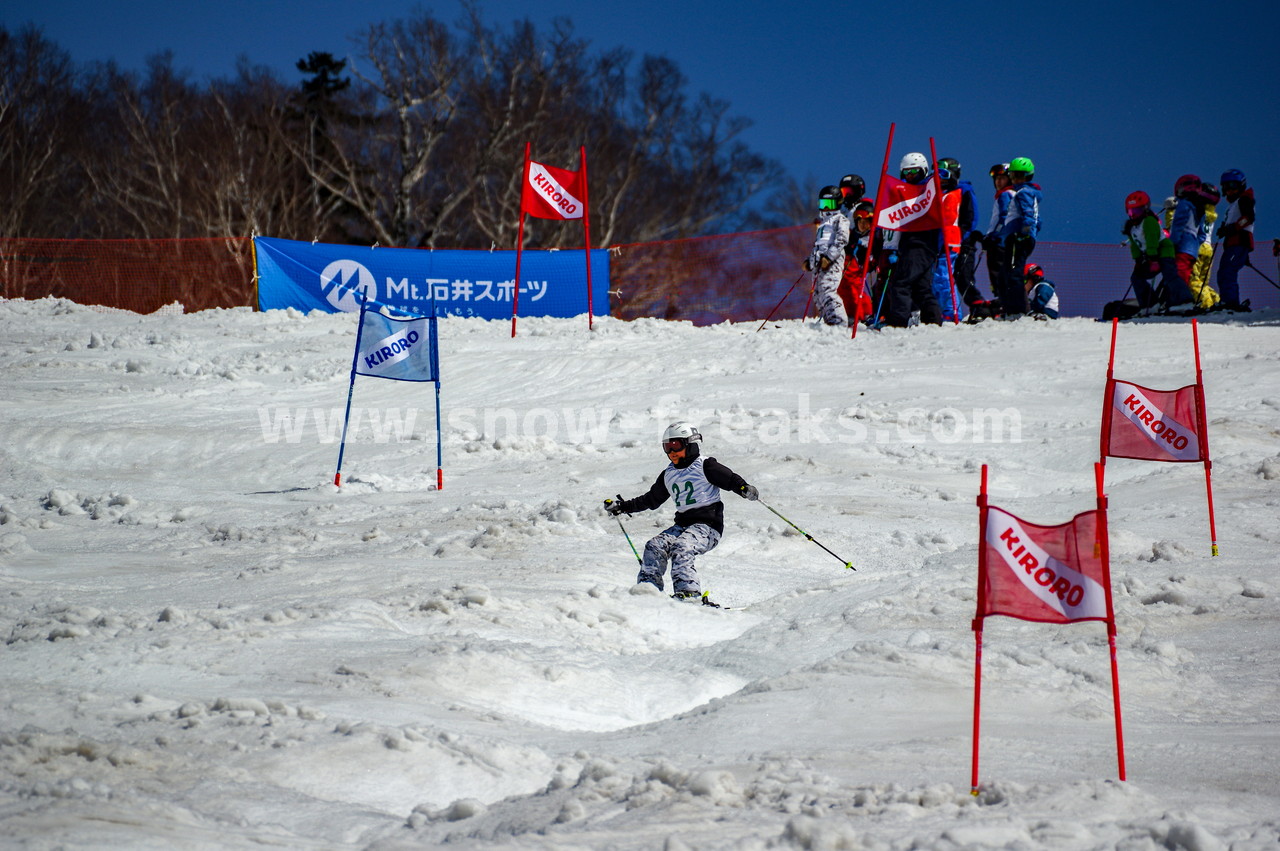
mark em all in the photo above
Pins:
pixel 737 277
pixel 142 275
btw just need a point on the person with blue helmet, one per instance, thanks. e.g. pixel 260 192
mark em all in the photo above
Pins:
pixel 1237 237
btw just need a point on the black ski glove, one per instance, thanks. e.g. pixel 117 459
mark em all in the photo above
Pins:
pixel 614 506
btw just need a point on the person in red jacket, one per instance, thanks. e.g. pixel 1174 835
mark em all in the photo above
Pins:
pixel 853 289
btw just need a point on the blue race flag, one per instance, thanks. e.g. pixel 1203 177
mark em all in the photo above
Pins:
pixel 399 349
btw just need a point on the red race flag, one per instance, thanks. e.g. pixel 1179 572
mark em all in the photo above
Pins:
pixel 554 193
pixel 1152 425
pixel 907 206
pixel 1050 574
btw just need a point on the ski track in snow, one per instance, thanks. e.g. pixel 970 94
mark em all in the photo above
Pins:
pixel 208 645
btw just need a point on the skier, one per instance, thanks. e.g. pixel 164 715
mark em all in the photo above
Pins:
pixel 1152 252
pixel 957 221
pixel 826 260
pixel 1042 295
pixel 966 260
pixel 1237 238
pixel 917 253
pixel 1204 296
pixel 852 188
pixel 1187 233
pixel 853 290
pixel 694 483
pixel 1018 231
pixel 994 245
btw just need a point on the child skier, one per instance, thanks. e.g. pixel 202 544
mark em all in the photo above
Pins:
pixel 853 289
pixel 1237 238
pixel 694 483
pixel 1042 295
pixel 1151 250
pixel 826 260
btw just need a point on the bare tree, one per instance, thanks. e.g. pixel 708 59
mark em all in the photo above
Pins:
pixel 422 146
pixel 38 126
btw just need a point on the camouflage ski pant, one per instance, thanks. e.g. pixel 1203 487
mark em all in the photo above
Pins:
pixel 679 545
pixel 826 296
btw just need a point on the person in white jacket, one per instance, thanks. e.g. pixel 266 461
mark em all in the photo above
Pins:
pixel 826 260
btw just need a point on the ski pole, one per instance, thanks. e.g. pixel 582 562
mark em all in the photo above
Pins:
pixel 812 289
pixel 884 291
pixel 847 564
pixel 608 502
pixel 1264 277
pixel 779 304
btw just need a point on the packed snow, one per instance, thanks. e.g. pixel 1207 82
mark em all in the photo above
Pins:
pixel 207 644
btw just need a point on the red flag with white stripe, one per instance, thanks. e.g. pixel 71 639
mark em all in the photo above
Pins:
pixel 908 206
pixel 554 193
pixel 1152 425
pixel 1051 574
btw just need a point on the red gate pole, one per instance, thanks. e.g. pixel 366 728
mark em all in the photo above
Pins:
pixel 875 216
pixel 1203 426
pixel 1103 541
pixel 977 630
pixel 586 229
pixel 515 290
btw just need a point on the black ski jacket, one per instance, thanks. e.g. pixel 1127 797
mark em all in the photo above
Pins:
pixel 712 515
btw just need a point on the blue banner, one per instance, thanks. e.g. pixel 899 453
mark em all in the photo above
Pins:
pixel 319 276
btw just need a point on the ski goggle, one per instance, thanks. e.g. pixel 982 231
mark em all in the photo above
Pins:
pixel 677 444
pixel 912 173
pixel 999 169
pixel 1232 185
pixel 862 216
pixel 827 203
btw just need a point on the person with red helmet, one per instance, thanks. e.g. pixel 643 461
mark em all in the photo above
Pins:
pixel 1205 296
pixel 1187 233
pixel 1042 295
pixel 853 290
pixel 1237 237
pixel 1151 250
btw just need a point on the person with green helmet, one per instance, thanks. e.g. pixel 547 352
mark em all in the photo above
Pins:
pixel 1018 232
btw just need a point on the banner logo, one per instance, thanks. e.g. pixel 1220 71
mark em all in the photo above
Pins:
pixel 1160 428
pixel 339 288
pixel 550 190
pixel 1057 585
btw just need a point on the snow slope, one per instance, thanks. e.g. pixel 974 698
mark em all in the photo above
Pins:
pixel 208 645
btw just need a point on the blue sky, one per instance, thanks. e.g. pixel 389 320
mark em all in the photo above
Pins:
pixel 1105 97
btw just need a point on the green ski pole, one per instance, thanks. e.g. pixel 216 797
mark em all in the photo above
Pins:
pixel 609 502
pixel 847 564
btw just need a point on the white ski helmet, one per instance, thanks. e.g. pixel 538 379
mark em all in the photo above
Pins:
pixel 687 433
pixel 913 161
